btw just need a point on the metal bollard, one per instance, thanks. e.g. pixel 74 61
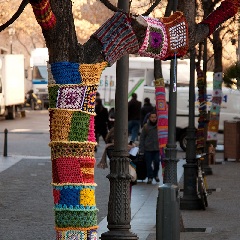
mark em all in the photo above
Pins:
pixel 5 143
pixel 168 213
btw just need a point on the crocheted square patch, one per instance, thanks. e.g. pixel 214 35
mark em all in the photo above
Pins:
pixel 155 43
pixel 71 96
pixel 89 101
pixel 177 34
pixel 89 234
pixel 161 105
pixel 66 73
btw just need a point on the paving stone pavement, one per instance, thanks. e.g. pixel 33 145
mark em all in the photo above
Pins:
pixel 221 218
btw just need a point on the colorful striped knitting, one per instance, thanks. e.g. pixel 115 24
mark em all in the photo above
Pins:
pixel 43 13
pixel 162 113
pixel 215 108
pixel 72 91
pixel 117 37
pixel 226 10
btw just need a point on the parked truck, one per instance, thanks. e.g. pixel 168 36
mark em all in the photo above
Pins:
pixel 38 62
pixel 12 76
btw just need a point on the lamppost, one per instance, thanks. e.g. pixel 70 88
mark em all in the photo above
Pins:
pixel 119 211
pixel 11 32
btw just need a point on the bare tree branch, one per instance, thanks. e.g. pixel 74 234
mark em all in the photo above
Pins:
pixel 111 6
pixel 151 8
pixel 15 15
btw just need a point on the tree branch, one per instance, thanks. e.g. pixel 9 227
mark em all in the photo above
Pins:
pixel 15 15
pixel 151 8
pixel 111 6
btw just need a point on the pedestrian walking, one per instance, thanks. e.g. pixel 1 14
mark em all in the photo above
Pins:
pixel 146 108
pixel 101 120
pixel 149 146
pixel 134 115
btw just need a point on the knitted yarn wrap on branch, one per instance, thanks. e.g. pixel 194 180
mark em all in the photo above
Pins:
pixel 226 10
pixel 44 15
pixel 166 38
pixel 177 31
pixel 117 37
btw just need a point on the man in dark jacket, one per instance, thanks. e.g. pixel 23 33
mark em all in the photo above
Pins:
pixel 134 115
pixel 147 108
pixel 149 146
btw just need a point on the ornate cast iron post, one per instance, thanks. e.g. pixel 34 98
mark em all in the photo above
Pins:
pixel 119 212
pixel 190 199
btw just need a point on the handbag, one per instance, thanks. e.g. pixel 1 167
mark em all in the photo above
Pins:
pixel 132 172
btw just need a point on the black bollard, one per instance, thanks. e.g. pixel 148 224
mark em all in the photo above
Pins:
pixel 5 143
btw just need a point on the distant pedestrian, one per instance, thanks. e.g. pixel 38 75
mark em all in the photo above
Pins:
pixel 98 95
pixel 101 120
pixel 134 115
pixel 149 146
pixel 146 108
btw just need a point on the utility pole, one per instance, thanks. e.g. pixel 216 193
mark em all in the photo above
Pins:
pixel 119 212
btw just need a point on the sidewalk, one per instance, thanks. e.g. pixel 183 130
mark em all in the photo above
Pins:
pixel 220 221
pixel 221 218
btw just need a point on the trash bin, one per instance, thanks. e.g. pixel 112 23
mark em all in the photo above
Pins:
pixel 232 140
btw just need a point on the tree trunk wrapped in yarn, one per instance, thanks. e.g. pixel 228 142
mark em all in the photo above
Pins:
pixel 72 92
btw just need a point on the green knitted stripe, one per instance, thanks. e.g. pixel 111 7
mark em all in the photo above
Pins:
pixel 53 93
pixel 79 127
pixel 74 219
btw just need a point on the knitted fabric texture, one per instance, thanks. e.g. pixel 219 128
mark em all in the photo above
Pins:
pixel 91 73
pixel 215 108
pixel 177 35
pixel 155 43
pixel 226 10
pixel 68 125
pixel 202 120
pixel 73 169
pixel 72 149
pixel 117 37
pixel 66 73
pixel 72 94
pixel 162 114
pixel 74 197
pixel 88 234
pixel 44 15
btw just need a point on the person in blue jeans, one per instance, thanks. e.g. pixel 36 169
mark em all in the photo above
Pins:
pixel 134 116
pixel 149 146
